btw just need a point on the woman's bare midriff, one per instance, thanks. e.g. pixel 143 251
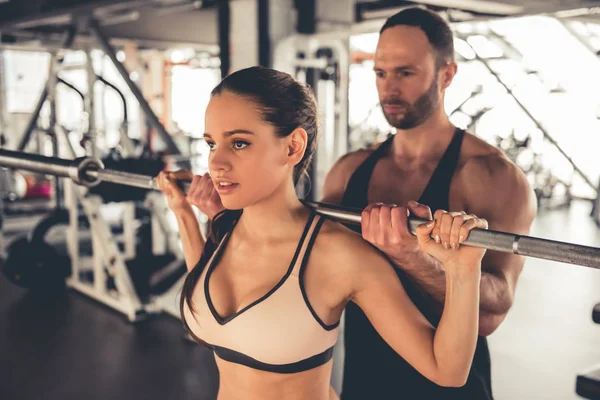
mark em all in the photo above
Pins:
pixel 240 382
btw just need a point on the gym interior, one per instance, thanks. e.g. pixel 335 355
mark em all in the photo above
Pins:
pixel 93 271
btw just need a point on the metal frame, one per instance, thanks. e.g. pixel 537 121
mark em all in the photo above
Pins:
pixel 164 237
pixel 107 260
pixel 51 131
pixel 3 110
pixel 152 118
pixel 107 48
pixel 110 12
pixel 332 97
pixel 66 42
pixel 90 108
pixel 125 141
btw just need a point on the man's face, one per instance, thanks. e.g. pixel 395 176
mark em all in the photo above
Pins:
pixel 406 76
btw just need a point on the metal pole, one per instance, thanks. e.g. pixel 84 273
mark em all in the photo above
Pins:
pixel 33 120
pixel 108 50
pixel 35 163
pixel 125 141
pixel 90 106
pixel 3 112
pixel 52 95
pixel 68 40
pixel 492 240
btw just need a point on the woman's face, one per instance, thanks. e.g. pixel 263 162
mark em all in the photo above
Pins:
pixel 247 161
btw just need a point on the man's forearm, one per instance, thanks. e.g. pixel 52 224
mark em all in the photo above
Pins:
pixel 496 298
pixel 430 277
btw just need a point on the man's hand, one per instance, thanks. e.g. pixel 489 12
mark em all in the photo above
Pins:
pixel 386 227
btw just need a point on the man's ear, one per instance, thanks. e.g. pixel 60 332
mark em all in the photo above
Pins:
pixel 448 74
pixel 296 146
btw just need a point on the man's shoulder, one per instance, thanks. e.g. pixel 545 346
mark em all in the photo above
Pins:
pixel 340 173
pixel 352 160
pixel 484 171
pixel 481 159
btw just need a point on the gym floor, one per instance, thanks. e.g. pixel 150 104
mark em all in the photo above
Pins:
pixel 70 347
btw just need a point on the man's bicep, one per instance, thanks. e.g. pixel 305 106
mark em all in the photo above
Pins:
pixel 509 206
pixel 508 201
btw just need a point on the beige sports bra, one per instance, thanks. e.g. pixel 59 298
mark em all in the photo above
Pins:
pixel 280 332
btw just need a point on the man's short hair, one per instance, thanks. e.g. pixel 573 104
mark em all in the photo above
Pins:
pixel 432 24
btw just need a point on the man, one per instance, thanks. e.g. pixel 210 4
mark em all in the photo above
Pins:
pixel 427 165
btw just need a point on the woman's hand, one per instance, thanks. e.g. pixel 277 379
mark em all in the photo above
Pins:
pixel 167 182
pixel 203 195
pixel 442 238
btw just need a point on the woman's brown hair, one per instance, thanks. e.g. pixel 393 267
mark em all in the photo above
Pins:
pixel 285 104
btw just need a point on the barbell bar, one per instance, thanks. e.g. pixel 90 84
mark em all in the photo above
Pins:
pixel 89 172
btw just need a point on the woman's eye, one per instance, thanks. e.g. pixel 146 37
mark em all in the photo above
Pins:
pixel 211 145
pixel 240 144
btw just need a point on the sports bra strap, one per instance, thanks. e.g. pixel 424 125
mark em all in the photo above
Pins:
pixel 309 238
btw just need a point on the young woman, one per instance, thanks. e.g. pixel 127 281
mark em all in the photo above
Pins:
pixel 267 288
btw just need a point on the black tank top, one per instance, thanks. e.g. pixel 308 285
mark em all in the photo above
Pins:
pixel 372 369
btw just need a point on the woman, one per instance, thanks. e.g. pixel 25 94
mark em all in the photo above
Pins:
pixel 267 289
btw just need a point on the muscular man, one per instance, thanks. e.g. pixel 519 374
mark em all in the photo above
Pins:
pixel 428 164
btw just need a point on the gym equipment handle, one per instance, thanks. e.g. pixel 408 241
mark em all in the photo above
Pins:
pixel 89 172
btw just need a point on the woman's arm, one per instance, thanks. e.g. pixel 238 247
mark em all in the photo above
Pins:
pixel 191 237
pixel 443 355
pixel 181 205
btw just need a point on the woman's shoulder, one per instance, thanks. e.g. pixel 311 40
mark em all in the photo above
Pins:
pixel 341 247
pixel 344 262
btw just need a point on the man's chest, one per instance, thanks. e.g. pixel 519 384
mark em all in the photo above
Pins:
pixel 393 184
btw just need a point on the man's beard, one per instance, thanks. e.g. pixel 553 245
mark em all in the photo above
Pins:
pixel 414 114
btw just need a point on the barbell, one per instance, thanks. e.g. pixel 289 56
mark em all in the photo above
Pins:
pixel 90 172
